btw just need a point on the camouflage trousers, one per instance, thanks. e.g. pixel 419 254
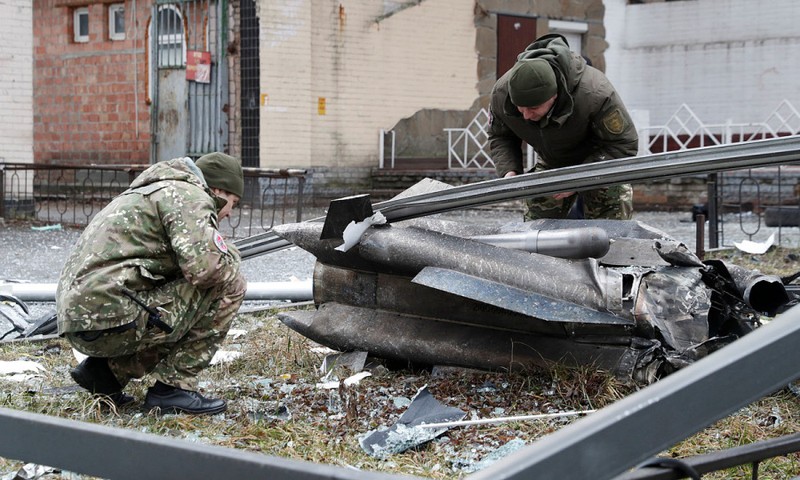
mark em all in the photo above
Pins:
pixel 614 203
pixel 200 320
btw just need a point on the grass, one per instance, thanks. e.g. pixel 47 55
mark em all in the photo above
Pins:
pixel 276 408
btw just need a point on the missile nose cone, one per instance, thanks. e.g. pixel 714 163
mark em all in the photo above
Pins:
pixel 306 235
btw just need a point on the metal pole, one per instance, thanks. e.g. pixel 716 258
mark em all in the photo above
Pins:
pixel 713 215
pixel 700 240
pixel 2 191
pixel 105 452
pixel 294 291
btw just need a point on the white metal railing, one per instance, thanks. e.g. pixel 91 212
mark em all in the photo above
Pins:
pixel 468 147
pixel 685 130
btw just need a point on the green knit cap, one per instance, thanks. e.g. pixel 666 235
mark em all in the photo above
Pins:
pixel 531 83
pixel 223 172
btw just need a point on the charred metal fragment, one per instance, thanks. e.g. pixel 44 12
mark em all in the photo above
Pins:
pixel 428 291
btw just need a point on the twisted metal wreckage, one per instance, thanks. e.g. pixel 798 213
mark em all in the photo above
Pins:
pixel 618 295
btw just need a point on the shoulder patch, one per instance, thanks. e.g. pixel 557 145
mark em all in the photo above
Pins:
pixel 219 242
pixel 614 122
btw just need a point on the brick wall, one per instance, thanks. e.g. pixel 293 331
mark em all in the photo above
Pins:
pixel 16 82
pixel 90 103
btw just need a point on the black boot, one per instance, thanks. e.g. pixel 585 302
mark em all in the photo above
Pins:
pixel 94 375
pixel 169 399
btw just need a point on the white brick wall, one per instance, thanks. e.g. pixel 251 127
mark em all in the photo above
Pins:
pixel 371 73
pixel 16 81
pixel 725 59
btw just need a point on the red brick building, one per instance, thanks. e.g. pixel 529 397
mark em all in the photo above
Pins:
pixel 135 81
pixel 89 79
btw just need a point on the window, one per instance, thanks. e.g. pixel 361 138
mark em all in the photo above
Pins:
pixel 116 21
pixel 171 45
pixel 80 21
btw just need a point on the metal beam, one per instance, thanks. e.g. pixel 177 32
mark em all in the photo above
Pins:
pixel 296 291
pixel 752 453
pixel 624 434
pixel 762 153
pixel 122 454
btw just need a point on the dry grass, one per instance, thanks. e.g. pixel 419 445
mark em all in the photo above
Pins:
pixel 276 408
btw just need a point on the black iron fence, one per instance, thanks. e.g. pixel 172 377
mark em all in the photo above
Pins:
pixel 72 195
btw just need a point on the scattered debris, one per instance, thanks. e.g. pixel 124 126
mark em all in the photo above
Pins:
pixel 507 449
pixel 19 370
pixel 755 248
pixel 349 381
pixel 403 435
pixel 30 471
pixel 15 321
pixel 225 356
pixel 46 228
pixel 354 361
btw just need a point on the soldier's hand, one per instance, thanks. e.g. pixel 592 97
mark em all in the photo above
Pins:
pixel 563 195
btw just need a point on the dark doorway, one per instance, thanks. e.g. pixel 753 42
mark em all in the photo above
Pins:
pixel 250 84
pixel 513 35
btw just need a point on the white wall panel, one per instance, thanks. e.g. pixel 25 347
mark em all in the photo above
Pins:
pixel 727 59
pixel 16 81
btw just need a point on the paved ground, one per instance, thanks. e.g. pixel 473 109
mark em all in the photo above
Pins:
pixel 36 254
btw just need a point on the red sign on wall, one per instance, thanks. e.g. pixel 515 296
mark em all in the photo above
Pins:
pixel 198 66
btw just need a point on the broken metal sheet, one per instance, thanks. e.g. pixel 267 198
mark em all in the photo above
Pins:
pixel 46 324
pixel 353 361
pixel 514 299
pixel 15 321
pixel 403 435
pixel 675 304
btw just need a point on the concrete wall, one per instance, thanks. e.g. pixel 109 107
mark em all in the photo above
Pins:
pixel 16 81
pixel 372 66
pixel 725 59
pixel 90 103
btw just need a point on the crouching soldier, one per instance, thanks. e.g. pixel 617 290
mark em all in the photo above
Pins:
pixel 151 286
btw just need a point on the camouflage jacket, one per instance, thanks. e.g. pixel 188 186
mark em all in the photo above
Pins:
pixel 588 122
pixel 163 228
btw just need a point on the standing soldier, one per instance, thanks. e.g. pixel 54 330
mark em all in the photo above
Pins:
pixel 570 114
pixel 152 287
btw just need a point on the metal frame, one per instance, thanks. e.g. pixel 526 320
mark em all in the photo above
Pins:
pixel 121 454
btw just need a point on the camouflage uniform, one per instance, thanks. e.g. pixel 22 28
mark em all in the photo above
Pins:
pixel 588 123
pixel 159 239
